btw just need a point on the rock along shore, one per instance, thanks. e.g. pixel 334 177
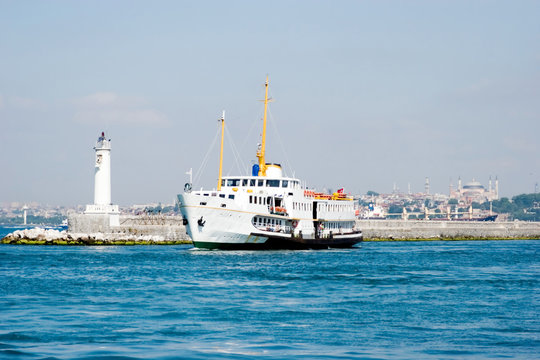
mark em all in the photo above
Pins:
pixel 39 236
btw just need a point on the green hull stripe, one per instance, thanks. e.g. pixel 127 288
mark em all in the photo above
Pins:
pixel 273 244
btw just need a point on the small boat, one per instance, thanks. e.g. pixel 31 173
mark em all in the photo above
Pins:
pixel 267 210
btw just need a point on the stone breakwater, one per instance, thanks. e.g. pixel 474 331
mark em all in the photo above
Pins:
pixel 380 230
pixel 39 236
pixel 94 229
pixel 159 227
pixel 169 230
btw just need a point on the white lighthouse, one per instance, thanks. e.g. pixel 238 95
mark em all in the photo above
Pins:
pixel 102 181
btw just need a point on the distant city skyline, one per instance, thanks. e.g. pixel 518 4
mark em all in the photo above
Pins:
pixel 366 94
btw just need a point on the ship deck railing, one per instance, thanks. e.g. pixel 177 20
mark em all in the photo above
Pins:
pixel 275 228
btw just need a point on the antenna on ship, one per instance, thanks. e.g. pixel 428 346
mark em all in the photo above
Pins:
pixel 222 120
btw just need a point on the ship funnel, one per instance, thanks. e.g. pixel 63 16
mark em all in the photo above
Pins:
pixel 274 170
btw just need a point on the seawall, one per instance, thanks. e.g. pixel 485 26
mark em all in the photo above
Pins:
pixel 171 228
pixel 448 230
pixel 160 227
pixel 101 229
pixel 168 230
pixel 156 228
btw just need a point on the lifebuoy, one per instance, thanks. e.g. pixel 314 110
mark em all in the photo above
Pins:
pixel 294 223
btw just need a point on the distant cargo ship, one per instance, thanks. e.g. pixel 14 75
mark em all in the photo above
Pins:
pixel 267 210
pixel 482 218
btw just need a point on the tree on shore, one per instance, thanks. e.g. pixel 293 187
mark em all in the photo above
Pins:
pixel 521 207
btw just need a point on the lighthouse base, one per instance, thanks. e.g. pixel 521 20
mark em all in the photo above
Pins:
pixel 103 213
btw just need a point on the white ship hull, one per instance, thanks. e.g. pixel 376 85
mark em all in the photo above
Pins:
pixel 214 226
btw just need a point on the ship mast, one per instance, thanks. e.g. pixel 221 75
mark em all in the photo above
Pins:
pixel 261 150
pixel 222 120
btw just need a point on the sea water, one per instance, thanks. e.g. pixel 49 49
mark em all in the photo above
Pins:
pixel 383 300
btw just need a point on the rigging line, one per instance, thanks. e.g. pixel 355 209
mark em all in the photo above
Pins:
pixel 243 168
pixel 234 148
pixel 255 123
pixel 205 160
pixel 238 159
pixel 204 163
pixel 248 136
pixel 280 141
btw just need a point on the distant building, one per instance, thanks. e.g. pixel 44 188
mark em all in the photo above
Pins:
pixel 475 192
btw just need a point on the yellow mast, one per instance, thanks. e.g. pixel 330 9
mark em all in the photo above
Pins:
pixel 221 152
pixel 260 152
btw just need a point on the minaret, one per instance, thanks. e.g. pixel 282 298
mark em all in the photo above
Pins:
pixel 102 178
pixel 25 210
pixel 496 188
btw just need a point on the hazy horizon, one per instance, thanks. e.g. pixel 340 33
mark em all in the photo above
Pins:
pixel 366 94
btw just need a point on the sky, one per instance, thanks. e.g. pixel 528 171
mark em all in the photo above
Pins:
pixel 367 95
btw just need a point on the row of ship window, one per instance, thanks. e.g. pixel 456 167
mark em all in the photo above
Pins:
pixel 261 221
pixel 230 196
pixel 302 206
pixel 334 207
pixel 296 205
pixel 261 200
pixel 331 225
pixel 260 183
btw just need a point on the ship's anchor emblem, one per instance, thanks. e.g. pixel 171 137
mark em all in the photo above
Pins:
pixel 201 221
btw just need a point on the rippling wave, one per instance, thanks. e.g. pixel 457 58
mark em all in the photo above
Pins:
pixel 415 300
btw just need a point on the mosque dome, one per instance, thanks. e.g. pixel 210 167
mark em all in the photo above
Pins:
pixel 473 185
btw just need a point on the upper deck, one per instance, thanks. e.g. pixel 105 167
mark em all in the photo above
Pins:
pixel 281 185
pixel 257 182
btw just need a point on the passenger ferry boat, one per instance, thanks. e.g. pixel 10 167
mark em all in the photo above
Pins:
pixel 267 210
